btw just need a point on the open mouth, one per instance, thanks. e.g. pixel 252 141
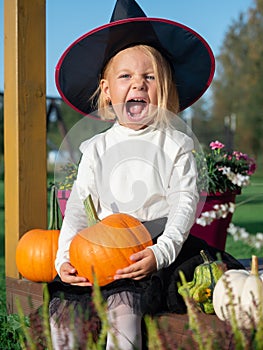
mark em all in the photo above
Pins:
pixel 136 109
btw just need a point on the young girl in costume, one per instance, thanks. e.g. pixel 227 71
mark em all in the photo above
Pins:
pixel 142 72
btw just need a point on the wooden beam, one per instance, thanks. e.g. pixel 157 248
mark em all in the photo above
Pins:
pixel 24 122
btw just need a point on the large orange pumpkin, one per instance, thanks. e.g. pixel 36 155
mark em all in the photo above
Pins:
pixel 36 253
pixel 37 248
pixel 106 246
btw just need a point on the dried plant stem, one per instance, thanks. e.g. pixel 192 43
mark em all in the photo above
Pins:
pixel 239 338
pixel 100 306
pixel 30 342
pixel 154 341
pixel 259 331
pixel 46 325
pixel 202 337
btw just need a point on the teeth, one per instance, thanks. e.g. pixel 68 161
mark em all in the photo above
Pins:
pixel 136 100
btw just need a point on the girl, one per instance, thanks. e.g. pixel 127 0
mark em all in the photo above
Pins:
pixel 131 83
pixel 142 165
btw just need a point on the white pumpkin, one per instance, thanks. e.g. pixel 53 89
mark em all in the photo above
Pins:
pixel 245 289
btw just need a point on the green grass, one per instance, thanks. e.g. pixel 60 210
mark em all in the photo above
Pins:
pixel 248 214
pixel 250 207
pixel 10 325
pixel 241 250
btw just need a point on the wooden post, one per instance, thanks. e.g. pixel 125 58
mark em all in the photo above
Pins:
pixel 24 123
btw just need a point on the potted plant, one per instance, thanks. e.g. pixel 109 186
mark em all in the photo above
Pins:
pixel 221 176
pixel 68 174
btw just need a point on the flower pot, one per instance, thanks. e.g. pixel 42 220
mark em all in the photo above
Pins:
pixel 215 233
pixel 62 196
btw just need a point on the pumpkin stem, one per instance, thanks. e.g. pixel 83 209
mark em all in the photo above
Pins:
pixel 254 265
pixel 91 211
pixel 205 257
pixel 54 212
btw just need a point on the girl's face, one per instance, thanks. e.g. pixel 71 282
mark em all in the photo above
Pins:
pixel 130 85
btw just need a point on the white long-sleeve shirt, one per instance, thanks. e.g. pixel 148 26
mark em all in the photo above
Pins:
pixel 147 173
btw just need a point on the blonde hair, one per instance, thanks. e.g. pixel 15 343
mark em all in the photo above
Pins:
pixel 166 88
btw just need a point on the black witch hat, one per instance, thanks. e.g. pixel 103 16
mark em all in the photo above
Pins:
pixel 79 69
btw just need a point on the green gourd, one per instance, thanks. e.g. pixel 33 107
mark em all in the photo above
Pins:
pixel 201 288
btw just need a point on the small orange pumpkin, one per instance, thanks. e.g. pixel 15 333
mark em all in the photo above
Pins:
pixel 37 248
pixel 107 245
pixel 36 253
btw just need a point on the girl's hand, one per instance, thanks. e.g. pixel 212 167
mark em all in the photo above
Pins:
pixel 68 274
pixel 144 264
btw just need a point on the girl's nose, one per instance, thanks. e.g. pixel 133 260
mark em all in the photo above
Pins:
pixel 139 84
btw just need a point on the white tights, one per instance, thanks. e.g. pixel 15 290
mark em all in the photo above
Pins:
pixel 124 334
pixel 125 331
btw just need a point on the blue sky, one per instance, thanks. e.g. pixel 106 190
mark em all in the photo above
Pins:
pixel 69 19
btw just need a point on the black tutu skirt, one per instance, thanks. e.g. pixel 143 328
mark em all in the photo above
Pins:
pixel 154 295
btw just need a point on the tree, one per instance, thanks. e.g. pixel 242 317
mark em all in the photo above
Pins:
pixel 201 121
pixel 238 86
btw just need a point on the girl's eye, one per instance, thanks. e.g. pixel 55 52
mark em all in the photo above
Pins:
pixel 150 77
pixel 125 76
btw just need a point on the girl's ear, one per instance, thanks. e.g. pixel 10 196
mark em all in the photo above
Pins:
pixel 104 86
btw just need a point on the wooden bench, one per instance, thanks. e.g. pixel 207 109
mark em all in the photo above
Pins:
pixel 175 333
pixel 173 327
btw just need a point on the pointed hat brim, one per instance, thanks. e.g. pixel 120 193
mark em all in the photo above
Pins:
pixel 79 69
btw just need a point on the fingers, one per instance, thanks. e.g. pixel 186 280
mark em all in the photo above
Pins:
pixel 68 274
pixel 134 271
pixel 75 280
pixel 138 256
pixel 144 264
pixel 82 284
